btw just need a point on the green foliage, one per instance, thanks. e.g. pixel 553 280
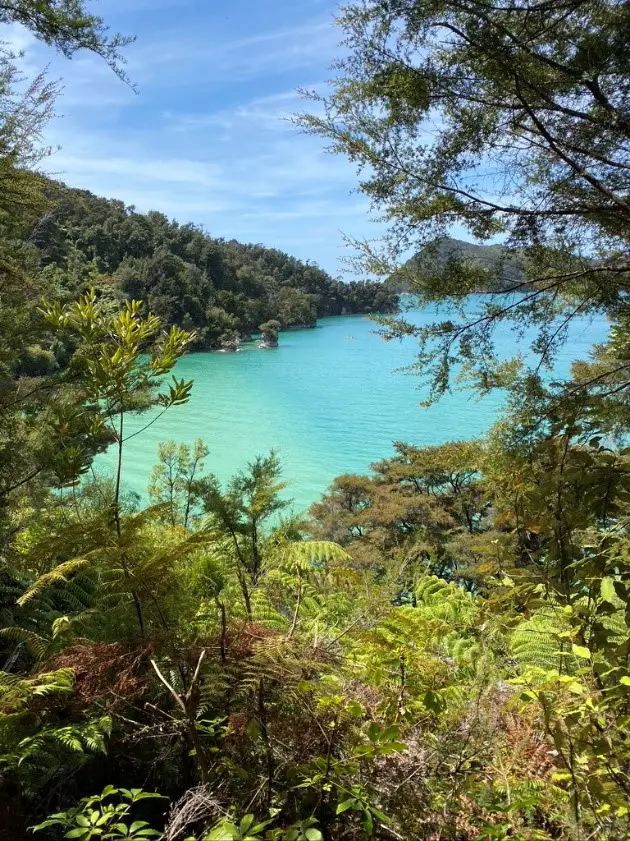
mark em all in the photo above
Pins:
pixel 528 103
pixel 177 481
pixel 269 332
pixel 240 512
pixel 248 829
pixel 447 657
pixel 420 508
pixel 338 692
pixel 109 355
pixel 245 830
pixel 37 742
pixel 105 815
pixel 220 290
pixel 69 27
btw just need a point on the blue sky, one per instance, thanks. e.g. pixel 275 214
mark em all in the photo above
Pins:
pixel 206 139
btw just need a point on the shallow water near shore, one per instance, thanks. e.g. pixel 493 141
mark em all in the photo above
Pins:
pixel 330 400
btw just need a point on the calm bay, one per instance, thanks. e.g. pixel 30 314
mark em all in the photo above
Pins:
pixel 329 400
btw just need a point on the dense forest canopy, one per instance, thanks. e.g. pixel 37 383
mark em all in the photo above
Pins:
pixel 215 287
pixel 437 651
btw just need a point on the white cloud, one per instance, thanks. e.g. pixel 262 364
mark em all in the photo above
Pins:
pixel 270 113
pixel 179 58
pixel 16 37
pixel 208 138
pixel 154 170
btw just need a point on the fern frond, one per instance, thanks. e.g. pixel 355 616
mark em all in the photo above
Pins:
pixel 315 553
pixel 36 644
pixel 535 643
pixel 56 576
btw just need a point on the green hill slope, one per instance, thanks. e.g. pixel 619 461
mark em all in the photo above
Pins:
pixel 501 269
pixel 222 289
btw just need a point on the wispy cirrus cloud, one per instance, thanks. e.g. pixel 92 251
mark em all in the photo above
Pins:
pixel 208 138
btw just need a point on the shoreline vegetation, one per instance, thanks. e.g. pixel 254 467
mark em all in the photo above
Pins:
pixel 438 650
pixel 221 290
pixel 257 340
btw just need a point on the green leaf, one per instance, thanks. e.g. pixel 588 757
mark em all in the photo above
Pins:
pixel 77 833
pixel 313 835
pixel 245 824
pixel 253 728
pixel 367 823
pixel 433 701
pixel 607 590
pixel 373 732
pixel 350 803
pixel 390 733
pixel 625 680
pixel 392 747
pixel 54 820
pixel 581 651
pixel 224 832
pixel 355 709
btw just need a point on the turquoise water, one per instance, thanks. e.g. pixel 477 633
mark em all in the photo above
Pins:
pixel 328 400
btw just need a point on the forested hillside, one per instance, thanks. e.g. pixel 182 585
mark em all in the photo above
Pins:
pixel 498 267
pixel 220 289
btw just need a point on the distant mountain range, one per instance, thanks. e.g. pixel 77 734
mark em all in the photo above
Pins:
pixel 504 268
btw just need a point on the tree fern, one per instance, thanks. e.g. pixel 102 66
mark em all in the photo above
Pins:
pixel 17 693
pixel 36 739
pixel 264 612
pixel 36 644
pixel 445 601
pixel 309 554
pixel 58 575
pixel 535 642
